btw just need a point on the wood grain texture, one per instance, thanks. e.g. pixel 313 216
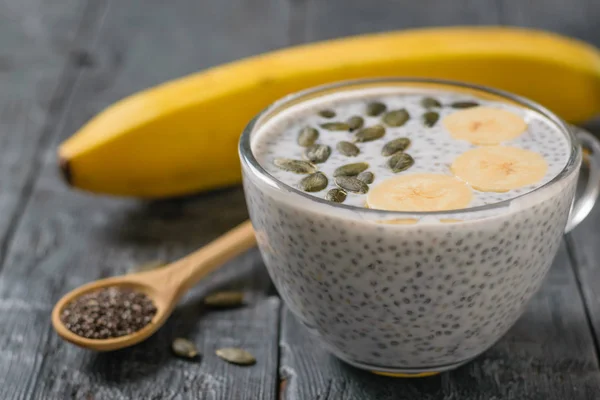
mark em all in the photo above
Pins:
pixel 335 18
pixel 574 18
pixel 37 39
pixel 548 354
pixel 66 238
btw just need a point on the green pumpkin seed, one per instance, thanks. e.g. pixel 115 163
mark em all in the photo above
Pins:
pixel 308 136
pixel 335 126
pixel 295 166
pixel 149 266
pixel 430 118
pixel 314 182
pixel 327 113
pixel 368 134
pixel 430 102
pixel 348 149
pixel 184 348
pixel 367 177
pixel 350 169
pixel 464 104
pixel 336 195
pixel 400 162
pixel 225 299
pixel 395 146
pixel 351 184
pixel 318 153
pixel 355 122
pixel 236 356
pixel 375 108
pixel 396 118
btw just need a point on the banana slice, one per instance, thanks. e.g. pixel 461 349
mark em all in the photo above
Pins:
pixel 484 125
pixel 420 192
pixel 499 168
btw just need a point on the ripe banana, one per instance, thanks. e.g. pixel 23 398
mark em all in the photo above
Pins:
pixel 181 137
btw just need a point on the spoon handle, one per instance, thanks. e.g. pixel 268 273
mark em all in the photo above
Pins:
pixel 186 272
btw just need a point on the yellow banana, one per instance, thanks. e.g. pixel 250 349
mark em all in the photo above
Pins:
pixel 181 137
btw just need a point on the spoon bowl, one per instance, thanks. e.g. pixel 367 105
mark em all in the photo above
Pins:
pixel 164 286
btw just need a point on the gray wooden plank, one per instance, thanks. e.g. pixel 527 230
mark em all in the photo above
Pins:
pixel 36 41
pixel 66 238
pixel 548 354
pixel 334 18
pixel 574 18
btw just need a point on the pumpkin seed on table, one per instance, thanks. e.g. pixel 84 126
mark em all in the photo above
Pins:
pixel 336 195
pixel 366 176
pixel 430 118
pixel 400 162
pixel 395 146
pixel 355 122
pixel 318 153
pixel 184 348
pixel 225 299
pixel 348 149
pixel 464 104
pixel 295 166
pixel 314 182
pixel 351 184
pixel 350 169
pixel 307 136
pixel 430 102
pixel 236 356
pixel 335 126
pixel 396 118
pixel 375 108
pixel 368 134
pixel 327 113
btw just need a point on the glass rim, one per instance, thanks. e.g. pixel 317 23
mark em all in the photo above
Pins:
pixel 247 157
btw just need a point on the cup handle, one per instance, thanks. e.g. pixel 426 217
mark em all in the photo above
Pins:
pixel 582 205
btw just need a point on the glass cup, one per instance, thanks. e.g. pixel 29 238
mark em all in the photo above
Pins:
pixel 412 299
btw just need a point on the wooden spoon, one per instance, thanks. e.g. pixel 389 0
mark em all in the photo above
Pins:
pixel 164 286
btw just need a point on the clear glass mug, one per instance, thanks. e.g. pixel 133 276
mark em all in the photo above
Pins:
pixel 412 299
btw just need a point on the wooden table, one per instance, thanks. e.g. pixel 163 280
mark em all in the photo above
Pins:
pixel 62 61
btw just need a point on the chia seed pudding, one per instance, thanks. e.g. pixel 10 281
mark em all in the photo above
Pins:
pixel 423 284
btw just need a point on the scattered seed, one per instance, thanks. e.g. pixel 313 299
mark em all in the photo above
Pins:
pixel 464 104
pixel 348 149
pixel 355 122
pixel 430 118
pixel 314 182
pixel 351 169
pixel 225 299
pixel 366 176
pixel 308 136
pixel 351 184
pixel 149 266
pixel 368 134
pixel 327 113
pixel 430 102
pixel 236 356
pixel 296 166
pixel 375 108
pixel 395 146
pixel 400 162
pixel 184 348
pixel 336 195
pixel 318 153
pixel 335 126
pixel 396 118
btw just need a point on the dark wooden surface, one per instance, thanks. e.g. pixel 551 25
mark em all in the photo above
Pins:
pixel 62 61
